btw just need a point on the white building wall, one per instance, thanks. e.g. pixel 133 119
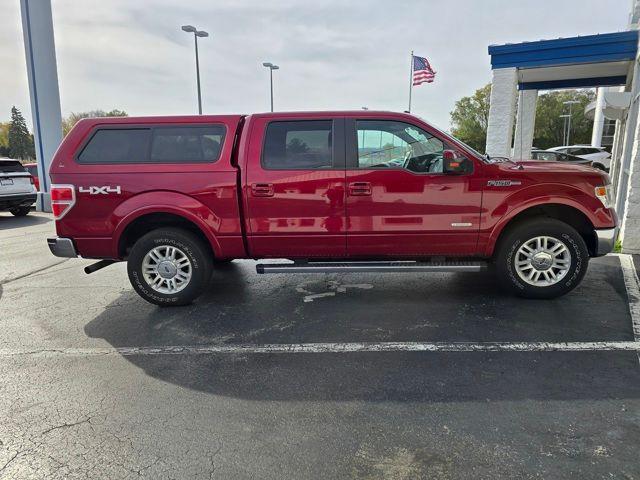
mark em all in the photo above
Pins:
pixel 502 111
pixel 525 124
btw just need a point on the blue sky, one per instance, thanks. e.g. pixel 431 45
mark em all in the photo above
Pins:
pixel 333 54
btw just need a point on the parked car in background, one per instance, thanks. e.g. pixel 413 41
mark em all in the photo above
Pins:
pixel 548 156
pixel 17 189
pixel 32 168
pixel 598 155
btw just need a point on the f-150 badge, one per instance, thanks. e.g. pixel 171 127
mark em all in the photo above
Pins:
pixel 104 190
pixel 503 183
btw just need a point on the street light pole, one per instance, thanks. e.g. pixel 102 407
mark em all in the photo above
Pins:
pixel 570 103
pixel 271 68
pixel 196 33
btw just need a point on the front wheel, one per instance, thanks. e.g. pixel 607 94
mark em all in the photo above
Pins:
pixel 169 266
pixel 541 258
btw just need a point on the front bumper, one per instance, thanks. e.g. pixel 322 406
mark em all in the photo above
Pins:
pixel 606 240
pixel 62 247
pixel 9 202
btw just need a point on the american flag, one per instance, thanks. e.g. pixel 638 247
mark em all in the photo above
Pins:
pixel 422 71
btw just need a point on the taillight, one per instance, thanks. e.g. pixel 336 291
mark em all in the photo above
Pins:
pixel 32 180
pixel 63 197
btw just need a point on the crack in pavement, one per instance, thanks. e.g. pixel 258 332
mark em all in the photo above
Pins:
pixel 37 270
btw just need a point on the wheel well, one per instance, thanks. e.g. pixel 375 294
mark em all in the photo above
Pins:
pixel 569 215
pixel 144 224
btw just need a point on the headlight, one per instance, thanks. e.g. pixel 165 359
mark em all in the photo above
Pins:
pixel 605 195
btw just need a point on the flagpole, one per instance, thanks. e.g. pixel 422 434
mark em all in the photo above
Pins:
pixel 410 80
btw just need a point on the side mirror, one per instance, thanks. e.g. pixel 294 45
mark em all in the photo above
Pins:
pixel 453 162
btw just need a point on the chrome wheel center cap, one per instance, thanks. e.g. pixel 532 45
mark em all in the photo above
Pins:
pixel 167 269
pixel 542 261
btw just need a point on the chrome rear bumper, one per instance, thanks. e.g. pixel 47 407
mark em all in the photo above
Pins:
pixel 606 240
pixel 62 247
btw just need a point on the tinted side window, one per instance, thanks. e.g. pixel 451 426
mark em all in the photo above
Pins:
pixel 305 144
pixel 186 144
pixel 116 145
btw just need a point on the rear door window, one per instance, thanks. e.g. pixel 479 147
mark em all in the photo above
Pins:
pixel 298 145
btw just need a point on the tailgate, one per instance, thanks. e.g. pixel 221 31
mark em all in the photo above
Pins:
pixel 14 179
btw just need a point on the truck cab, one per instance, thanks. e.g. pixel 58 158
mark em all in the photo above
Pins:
pixel 331 191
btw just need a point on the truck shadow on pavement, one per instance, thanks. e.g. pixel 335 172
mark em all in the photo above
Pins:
pixel 243 307
pixel 8 221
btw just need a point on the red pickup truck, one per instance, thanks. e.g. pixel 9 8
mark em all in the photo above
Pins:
pixel 358 191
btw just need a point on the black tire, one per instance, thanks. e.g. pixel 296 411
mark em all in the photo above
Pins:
pixel 191 246
pixel 506 255
pixel 20 211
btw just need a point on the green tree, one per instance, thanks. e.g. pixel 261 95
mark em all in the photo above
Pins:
pixel 470 117
pixel 20 142
pixel 73 118
pixel 550 127
pixel 4 139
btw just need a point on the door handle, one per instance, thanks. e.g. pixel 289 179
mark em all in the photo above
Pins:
pixel 359 189
pixel 262 189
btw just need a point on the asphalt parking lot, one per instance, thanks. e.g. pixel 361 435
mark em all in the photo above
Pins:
pixel 96 383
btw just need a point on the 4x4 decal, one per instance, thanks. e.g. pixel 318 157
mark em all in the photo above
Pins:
pixel 104 190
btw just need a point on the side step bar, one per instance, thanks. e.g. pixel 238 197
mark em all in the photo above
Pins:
pixel 383 266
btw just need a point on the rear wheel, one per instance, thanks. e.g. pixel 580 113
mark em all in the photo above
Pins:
pixel 541 258
pixel 20 211
pixel 169 266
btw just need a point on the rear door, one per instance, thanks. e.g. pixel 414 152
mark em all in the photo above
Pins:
pixel 295 187
pixel 14 178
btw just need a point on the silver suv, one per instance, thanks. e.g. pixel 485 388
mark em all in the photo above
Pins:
pixel 17 190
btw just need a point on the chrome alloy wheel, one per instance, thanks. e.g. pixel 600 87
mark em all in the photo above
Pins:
pixel 167 269
pixel 542 261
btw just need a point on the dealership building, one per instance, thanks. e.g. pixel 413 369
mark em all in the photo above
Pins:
pixel 608 62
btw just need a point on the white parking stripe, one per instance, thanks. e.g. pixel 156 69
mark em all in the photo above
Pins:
pixel 347 347
pixel 632 284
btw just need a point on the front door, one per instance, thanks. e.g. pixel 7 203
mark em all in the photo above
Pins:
pixel 295 188
pixel 400 201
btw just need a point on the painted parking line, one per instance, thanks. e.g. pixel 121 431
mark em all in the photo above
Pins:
pixel 631 280
pixel 335 347
pixel 632 285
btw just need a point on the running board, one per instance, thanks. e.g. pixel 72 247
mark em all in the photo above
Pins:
pixel 367 267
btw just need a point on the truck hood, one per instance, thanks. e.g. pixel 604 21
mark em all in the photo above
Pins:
pixel 541 166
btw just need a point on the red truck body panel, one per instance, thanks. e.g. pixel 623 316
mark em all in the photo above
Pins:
pixel 247 211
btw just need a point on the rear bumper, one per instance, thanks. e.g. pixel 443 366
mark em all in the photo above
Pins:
pixel 62 247
pixel 7 202
pixel 606 240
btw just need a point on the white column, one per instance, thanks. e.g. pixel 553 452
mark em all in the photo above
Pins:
pixel 598 119
pixel 502 111
pixel 40 52
pixel 525 124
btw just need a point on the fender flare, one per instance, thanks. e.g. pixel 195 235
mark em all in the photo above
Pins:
pixel 506 220
pixel 173 203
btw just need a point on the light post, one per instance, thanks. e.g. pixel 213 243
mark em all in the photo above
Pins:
pixel 271 68
pixel 196 33
pixel 564 128
pixel 571 103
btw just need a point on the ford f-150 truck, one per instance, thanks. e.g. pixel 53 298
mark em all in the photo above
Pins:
pixel 355 191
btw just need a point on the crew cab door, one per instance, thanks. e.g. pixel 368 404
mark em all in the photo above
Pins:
pixel 294 187
pixel 400 199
